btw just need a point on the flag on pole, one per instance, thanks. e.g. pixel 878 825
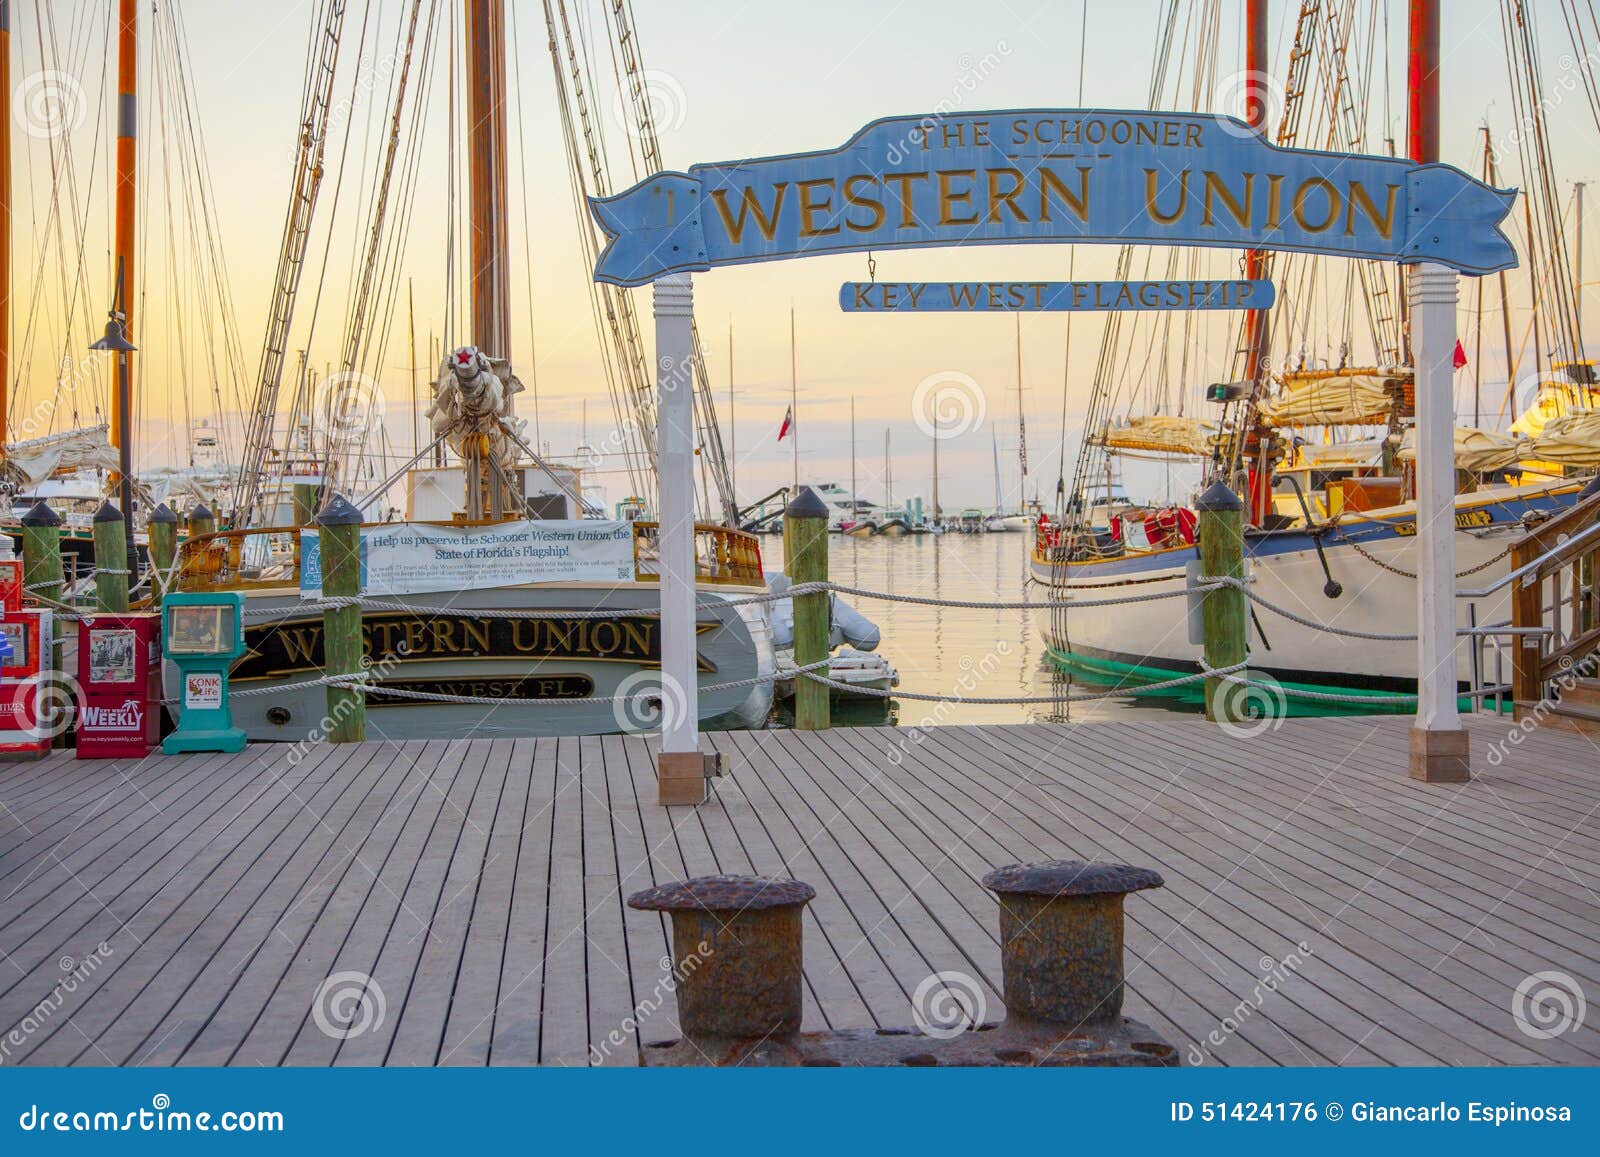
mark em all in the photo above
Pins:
pixel 1459 358
pixel 788 423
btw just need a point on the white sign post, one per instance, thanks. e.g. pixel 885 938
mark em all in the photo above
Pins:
pixel 680 771
pixel 1439 749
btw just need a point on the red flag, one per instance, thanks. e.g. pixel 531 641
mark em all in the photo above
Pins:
pixel 1459 359
pixel 788 423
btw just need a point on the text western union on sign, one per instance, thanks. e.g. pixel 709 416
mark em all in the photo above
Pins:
pixel 1052 176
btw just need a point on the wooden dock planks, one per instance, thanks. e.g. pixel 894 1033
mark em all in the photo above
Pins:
pixel 481 886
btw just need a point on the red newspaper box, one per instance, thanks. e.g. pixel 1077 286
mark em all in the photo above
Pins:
pixel 23 674
pixel 11 584
pixel 119 678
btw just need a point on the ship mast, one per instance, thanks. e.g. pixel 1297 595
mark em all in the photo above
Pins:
pixel 486 152
pixel 123 242
pixel 489 246
pixel 1255 260
pixel 5 220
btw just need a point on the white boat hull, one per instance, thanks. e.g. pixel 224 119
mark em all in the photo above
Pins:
pixel 546 676
pixel 1372 559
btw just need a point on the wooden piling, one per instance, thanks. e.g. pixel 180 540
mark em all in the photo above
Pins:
pixel 305 503
pixel 202 521
pixel 110 560
pixel 805 531
pixel 1224 611
pixel 339 544
pixel 163 529
pixel 41 552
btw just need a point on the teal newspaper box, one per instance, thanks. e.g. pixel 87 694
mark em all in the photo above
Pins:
pixel 202 635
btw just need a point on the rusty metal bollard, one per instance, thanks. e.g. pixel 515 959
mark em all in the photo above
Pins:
pixel 736 947
pixel 1061 937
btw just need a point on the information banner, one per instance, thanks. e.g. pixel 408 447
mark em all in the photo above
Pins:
pixel 1049 296
pixel 417 558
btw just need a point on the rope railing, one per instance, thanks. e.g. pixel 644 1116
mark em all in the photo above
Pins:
pixel 306 606
pixel 363 680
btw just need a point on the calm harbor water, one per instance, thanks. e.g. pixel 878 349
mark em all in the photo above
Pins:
pixel 962 654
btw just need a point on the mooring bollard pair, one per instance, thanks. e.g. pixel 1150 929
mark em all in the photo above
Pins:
pixel 737 963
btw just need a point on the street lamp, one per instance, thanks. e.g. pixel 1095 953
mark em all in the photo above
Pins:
pixel 116 341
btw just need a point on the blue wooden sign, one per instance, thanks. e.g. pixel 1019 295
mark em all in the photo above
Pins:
pixel 1050 296
pixel 1072 175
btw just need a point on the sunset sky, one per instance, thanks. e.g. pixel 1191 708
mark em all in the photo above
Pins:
pixel 729 80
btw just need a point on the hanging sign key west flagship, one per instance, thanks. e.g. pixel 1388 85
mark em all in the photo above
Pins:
pixel 1072 175
pixel 1050 296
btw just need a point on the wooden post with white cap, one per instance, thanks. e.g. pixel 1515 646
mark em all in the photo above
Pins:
pixel 681 768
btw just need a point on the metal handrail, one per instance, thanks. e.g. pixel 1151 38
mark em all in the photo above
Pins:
pixel 1529 567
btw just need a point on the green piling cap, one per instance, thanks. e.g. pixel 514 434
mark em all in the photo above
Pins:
pixel 806 504
pixel 41 515
pixel 339 512
pixel 1218 497
pixel 163 513
pixel 202 513
pixel 107 513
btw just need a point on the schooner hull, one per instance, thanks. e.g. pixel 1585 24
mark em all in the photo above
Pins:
pixel 543 673
pixel 1371 556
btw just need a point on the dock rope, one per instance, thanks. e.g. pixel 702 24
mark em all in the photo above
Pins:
pixel 1011 700
pixel 1217 582
pixel 362 681
pixel 312 606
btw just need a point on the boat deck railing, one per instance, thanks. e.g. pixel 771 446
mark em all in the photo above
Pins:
pixel 1555 602
pixel 263 558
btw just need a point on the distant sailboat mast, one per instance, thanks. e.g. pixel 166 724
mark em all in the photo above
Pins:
pixel 1022 431
pixel 994 444
pixel 888 475
pixel 852 458
pixel 794 400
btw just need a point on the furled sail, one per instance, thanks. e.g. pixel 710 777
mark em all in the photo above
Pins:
pixel 1476 450
pixel 1161 434
pixel 1570 440
pixel 26 464
pixel 1336 398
